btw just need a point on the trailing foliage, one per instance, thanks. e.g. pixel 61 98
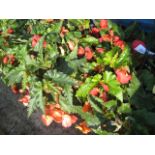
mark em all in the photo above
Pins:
pixel 72 70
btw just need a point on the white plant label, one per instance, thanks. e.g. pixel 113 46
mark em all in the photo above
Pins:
pixel 140 49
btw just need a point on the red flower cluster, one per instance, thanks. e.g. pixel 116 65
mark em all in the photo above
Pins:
pixel 53 112
pixel 35 40
pixel 25 100
pixel 118 42
pixel 122 76
pixel 9 59
pixel 113 39
pixel 101 94
pixel 104 24
pixel 87 52
pixel 100 50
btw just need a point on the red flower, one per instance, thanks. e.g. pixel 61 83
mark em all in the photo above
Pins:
pixel 14 89
pixel 116 38
pixel 107 38
pixel 66 121
pixel 5 60
pixel 9 58
pixel 104 96
pixel 105 87
pixel 100 50
pixel 81 51
pixel 122 76
pixel 87 107
pixel 95 91
pixel 63 31
pixel 104 24
pixel 25 100
pixel 120 43
pixel 74 119
pixel 10 31
pixel 100 40
pixel 95 31
pixel 46 119
pixel 35 40
pixel 88 53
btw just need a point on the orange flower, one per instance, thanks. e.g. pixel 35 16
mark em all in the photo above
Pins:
pixel 107 38
pixel 10 31
pixel 14 89
pixel 57 115
pixel 46 119
pixel 83 128
pixel 87 107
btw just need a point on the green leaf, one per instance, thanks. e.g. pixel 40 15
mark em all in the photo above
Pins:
pixel 147 79
pixel 91 119
pixel 68 92
pixel 114 86
pixel 59 78
pixel 124 58
pixel 89 84
pixel 36 100
pixel 90 40
pixel 39 48
pixel 145 117
pixel 110 104
pixel 99 131
pixel 94 105
pixel 124 108
pixel 117 29
pixel 15 75
pixel 73 54
pixel 133 86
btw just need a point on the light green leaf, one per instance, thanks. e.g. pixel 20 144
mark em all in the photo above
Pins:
pixel 124 108
pixel 114 86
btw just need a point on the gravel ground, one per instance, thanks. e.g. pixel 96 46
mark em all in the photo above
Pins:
pixel 14 121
